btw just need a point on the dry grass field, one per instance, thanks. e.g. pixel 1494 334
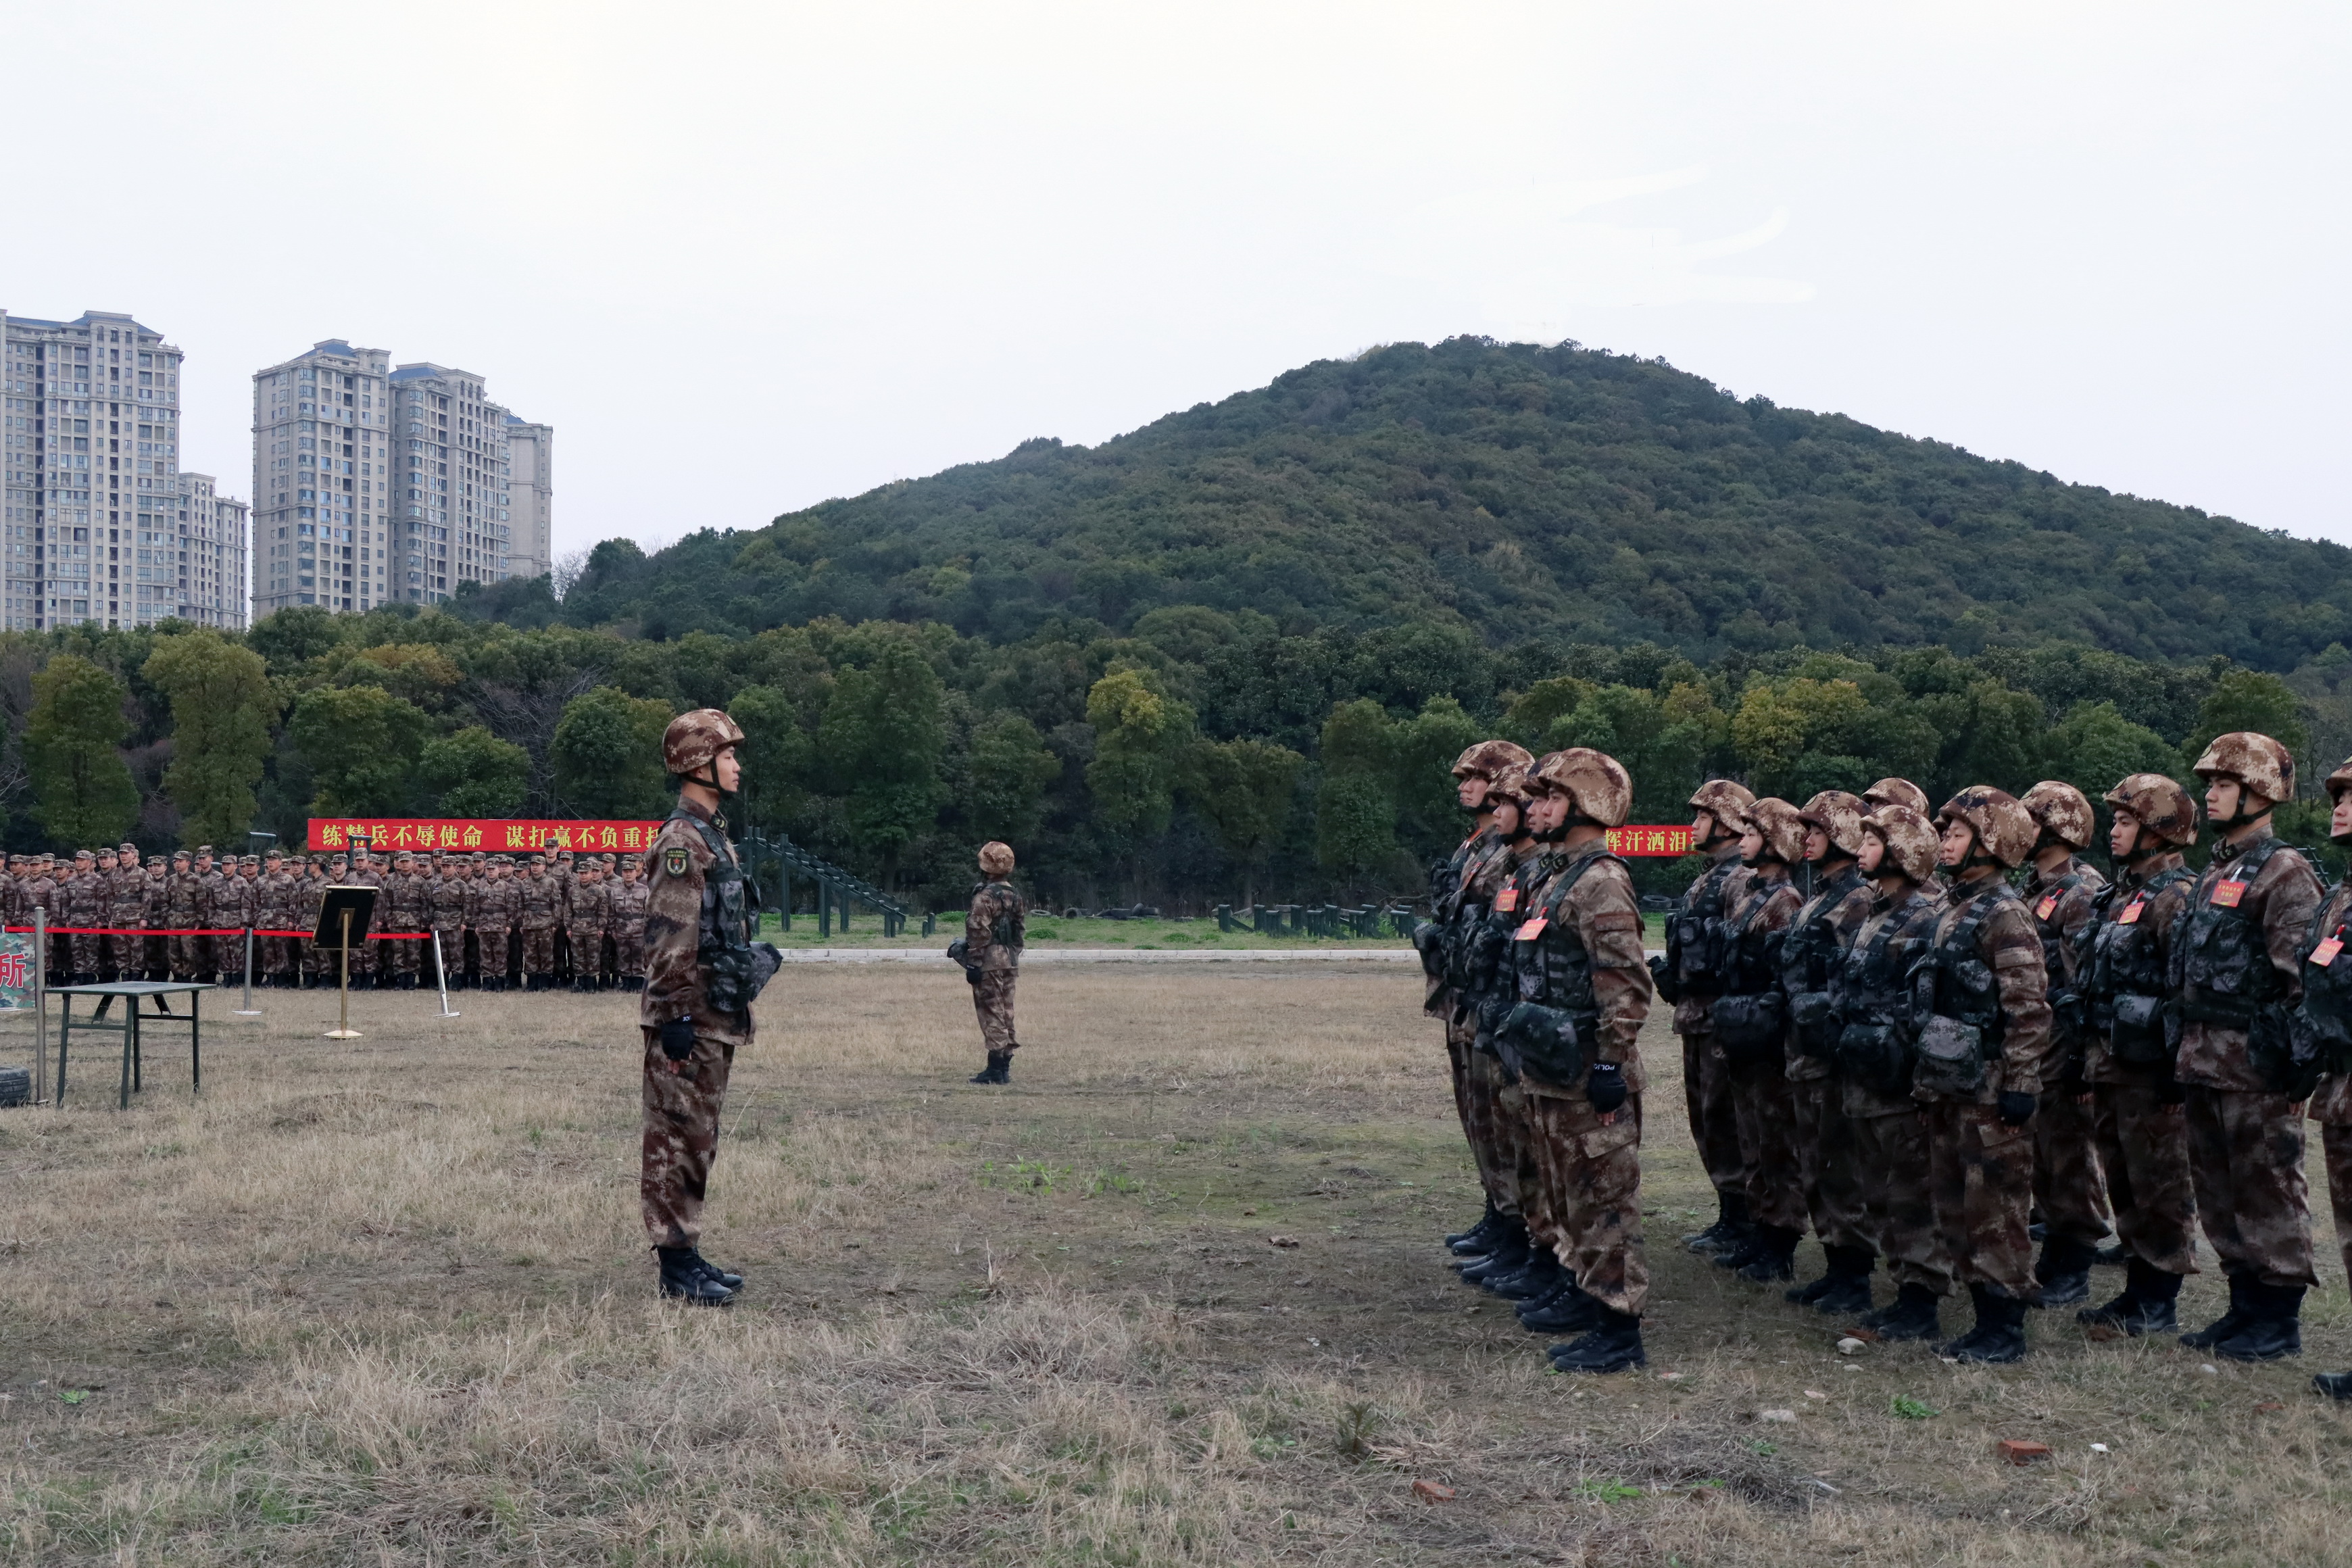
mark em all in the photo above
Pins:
pixel 385 1302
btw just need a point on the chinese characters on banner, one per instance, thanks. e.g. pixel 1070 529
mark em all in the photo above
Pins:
pixel 1650 840
pixel 390 836
pixel 16 972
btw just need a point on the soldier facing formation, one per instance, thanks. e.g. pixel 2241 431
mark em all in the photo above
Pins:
pixel 1962 1024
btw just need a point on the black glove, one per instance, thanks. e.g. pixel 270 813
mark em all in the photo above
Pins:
pixel 1605 1087
pixel 677 1039
pixel 971 974
pixel 2017 1109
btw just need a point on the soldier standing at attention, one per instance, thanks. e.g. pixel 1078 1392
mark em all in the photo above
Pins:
pixel 1690 978
pixel 275 913
pixel 697 1008
pixel 155 955
pixel 2063 888
pixel 85 910
pixel 2322 1037
pixel 126 911
pixel 993 940
pixel 495 907
pixel 1984 1046
pixel 446 901
pixel 2237 967
pixel 629 924
pixel 564 882
pixel 535 919
pixel 1751 1035
pixel 585 927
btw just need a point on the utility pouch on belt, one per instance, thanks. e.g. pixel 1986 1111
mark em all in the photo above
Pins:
pixel 2137 1034
pixel 1812 1018
pixel 1428 939
pixel 1951 1056
pixel 1876 1057
pixel 2270 1051
pixel 1546 1041
pixel 1669 983
pixel 1749 1027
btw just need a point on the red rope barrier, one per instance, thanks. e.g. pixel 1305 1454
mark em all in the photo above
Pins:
pixel 226 931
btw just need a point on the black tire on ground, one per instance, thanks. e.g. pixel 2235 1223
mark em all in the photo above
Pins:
pixel 16 1086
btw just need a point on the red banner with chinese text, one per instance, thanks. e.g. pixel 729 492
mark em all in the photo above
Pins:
pixel 1631 841
pixel 391 835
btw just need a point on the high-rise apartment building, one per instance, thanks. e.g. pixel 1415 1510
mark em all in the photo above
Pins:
pixel 530 485
pixel 198 570
pixel 386 485
pixel 93 472
pixel 321 481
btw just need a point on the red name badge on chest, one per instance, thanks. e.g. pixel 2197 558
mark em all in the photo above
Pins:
pixel 2130 917
pixel 2226 894
pixel 2324 954
pixel 1531 930
pixel 1506 900
pixel 2046 908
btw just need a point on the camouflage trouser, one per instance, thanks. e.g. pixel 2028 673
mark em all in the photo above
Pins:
pixel 453 954
pixel 587 955
pixel 1714 1126
pixel 406 957
pixel 1980 1178
pixel 992 1001
pixel 85 954
pixel 2335 1143
pixel 1825 1159
pixel 1767 1119
pixel 493 951
pixel 1474 1103
pixel 1592 1178
pixel 1898 1212
pixel 2245 1155
pixel 629 952
pixel 2067 1187
pixel 118 957
pixel 1515 1137
pixel 681 1135
pixel 155 953
pixel 538 951
pixel 276 956
pixel 2144 1145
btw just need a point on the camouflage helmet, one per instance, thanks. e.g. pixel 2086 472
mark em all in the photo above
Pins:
pixel 1511 784
pixel 1910 840
pixel 1490 760
pixel 2062 812
pixel 2005 830
pixel 1780 826
pixel 1897 791
pixel 1838 815
pixel 996 859
pixel 2255 761
pixel 2340 781
pixel 1597 783
pixel 1726 800
pixel 693 741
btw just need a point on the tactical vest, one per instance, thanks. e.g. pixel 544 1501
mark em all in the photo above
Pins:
pixel 724 945
pixel 1547 1034
pixel 2125 989
pixel 1750 1016
pixel 1810 957
pixel 2321 1027
pixel 2221 964
pixel 1957 998
pixel 1873 994
pixel 1698 947
pixel 1485 950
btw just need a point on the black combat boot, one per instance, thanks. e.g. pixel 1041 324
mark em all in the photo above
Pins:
pixel 1511 1254
pixel 1775 1254
pixel 408 983
pixel 2063 1271
pixel 2334 1385
pixel 727 1278
pixel 2228 1323
pixel 1612 1344
pixel 1472 1243
pixel 683 1279
pixel 998 1071
pixel 1845 1290
pixel 1538 1279
pixel 1566 1310
pixel 2273 1327
pixel 2146 1306
pixel 1998 1336
pixel 632 982
pixel 1730 1225
pixel 1910 1316
pixel 2114 1257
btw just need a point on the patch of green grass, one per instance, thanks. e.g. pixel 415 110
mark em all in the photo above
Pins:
pixel 1911 1409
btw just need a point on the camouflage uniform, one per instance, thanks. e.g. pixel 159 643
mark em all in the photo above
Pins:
pixel 2237 966
pixel 180 902
pixel 2067 1186
pixel 1503 1134
pixel 1693 944
pixel 1980 1169
pixel 369 959
pixel 86 909
pixel 1757 1068
pixel 446 901
pixel 629 897
pixel 591 903
pixel 1811 957
pixel 319 960
pixel 562 881
pixel 495 907
pixel 682 1106
pixel 994 937
pixel 536 899
pixel 278 910
pixel 47 894
pixel 1873 996
pixel 236 902
pixel 409 910
pixel 2141 1124
pixel 1580 952
pixel 126 910
pixel 155 951
pixel 1461 896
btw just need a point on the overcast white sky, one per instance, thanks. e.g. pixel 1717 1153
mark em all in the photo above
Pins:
pixel 746 257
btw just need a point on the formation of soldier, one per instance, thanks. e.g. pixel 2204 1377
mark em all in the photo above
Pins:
pixel 1961 1023
pixel 536 922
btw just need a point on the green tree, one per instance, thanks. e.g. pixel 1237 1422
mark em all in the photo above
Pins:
pixel 1009 767
pixel 2248 700
pixel 222 708
pixel 2096 746
pixel 1422 750
pixel 362 745
pixel 1243 790
pixel 775 753
pixel 82 790
pixel 1141 734
pixel 1778 724
pixel 475 774
pixel 607 753
pixel 882 739
pixel 1355 810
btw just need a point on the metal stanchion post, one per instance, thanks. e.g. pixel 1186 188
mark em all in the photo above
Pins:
pixel 442 976
pixel 249 1010
pixel 40 1004
pixel 343 1030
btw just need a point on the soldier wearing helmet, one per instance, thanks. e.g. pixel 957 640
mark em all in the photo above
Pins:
pixel 2322 1032
pixel 1897 791
pixel 702 971
pixel 2141 1132
pixel 993 936
pixel 1582 992
pixel 1872 996
pixel 1811 957
pixel 1461 893
pixel 1689 976
pixel 2239 964
pixel 2062 889
pixel 1748 1031
pixel 1983 1051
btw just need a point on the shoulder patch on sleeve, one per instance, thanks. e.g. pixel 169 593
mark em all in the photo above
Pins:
pixel 1616 919
pixel 675 859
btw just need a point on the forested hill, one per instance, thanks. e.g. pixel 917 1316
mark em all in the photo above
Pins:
pixel 1552 495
